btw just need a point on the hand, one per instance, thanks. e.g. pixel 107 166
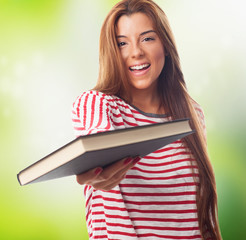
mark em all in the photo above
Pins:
pixel 109 177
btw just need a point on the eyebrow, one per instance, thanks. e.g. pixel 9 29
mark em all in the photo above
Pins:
pixel 141 34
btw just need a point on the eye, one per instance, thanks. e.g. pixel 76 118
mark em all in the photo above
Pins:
pixel 121 44
pixel 147 39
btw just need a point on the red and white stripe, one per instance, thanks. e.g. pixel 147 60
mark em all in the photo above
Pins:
pixel 157 198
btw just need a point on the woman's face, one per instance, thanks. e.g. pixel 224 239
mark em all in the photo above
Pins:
pixel 141 50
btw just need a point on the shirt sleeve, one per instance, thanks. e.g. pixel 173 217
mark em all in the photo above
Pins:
pixel 91 114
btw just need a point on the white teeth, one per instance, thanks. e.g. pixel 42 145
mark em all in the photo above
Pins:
pixel 139 67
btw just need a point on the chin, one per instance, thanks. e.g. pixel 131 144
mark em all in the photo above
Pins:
pixel 142 86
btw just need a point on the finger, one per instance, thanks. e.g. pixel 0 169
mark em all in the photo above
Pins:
pixel 88 176
pixel 124 170
pixel 112 175
pixel 92 176
pixel 117 178
pixel 114 184
pixel 109 171
pixel 134 161
pixel 128 164
pixel 119 167
pixel 108 185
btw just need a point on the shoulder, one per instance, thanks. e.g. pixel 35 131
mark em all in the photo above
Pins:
pixel 91 113
pixel 87 101
pixel 90 94
pixel 95 96
pixel 92 97
pixel 96 102
pixel 89 97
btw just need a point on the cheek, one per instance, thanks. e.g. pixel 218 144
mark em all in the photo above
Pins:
pixel 160 59
pixel 124 54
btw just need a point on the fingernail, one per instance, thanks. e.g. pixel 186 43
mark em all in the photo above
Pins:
pixel 128 160
pixel 135 160
pixel 97 171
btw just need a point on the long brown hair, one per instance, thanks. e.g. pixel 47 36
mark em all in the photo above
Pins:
pixel 173 94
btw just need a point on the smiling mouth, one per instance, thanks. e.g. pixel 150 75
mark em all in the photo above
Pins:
pixel 139 67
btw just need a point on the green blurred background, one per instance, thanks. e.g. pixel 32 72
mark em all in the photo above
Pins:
pixel 49 55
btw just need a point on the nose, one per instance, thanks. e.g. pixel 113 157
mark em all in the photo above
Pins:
pixel 136 51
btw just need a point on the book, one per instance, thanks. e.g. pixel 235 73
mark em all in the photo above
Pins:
pixel 104 148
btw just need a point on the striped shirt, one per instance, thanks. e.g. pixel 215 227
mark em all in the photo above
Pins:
pixel 157 198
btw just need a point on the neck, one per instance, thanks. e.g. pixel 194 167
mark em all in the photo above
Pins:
pixel 147 102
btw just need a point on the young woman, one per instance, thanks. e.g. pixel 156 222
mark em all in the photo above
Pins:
pixel 171 193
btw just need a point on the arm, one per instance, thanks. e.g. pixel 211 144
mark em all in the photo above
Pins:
pixel 91 114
